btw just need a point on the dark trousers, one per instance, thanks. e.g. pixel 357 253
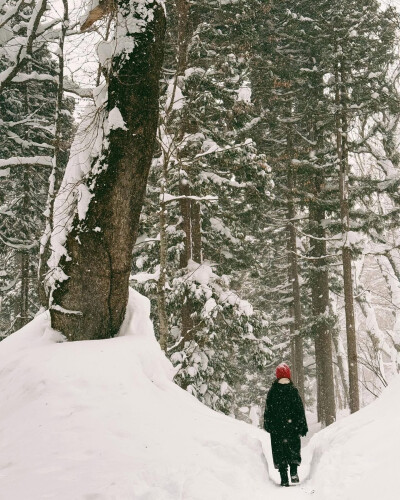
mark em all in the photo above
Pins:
pixel 285 449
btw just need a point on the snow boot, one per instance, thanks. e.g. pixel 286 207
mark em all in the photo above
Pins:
pixel 293 473
pixel 284 476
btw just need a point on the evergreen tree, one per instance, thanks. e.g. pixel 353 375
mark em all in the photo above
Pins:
pixel 294 80
pixel 27 112
pixel 210 179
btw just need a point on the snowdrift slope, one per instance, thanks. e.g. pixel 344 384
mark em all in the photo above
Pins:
pixel 358 457
pixel 102 420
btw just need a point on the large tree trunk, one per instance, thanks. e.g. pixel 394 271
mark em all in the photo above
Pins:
pixel 91 303
pixel 342 154
pixel 319 281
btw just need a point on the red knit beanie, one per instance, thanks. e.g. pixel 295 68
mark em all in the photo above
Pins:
pixel 283 371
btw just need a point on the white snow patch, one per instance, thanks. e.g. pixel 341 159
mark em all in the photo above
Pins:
pixel 357 457
pixel 143 277
pixel 244 92
pixel 174 96
pixel 102 419
pixel 115 120
pixel 74 195
pixel 201 273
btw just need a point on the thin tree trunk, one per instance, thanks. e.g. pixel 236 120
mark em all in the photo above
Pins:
pixel 184 34
pixel 184 30
pixel 25 259
pixel 55 176
pixel 196 232
pixel 340 364
pixel 161 300
pixel 297 341
pixel 342 153
pixel 91 303
pixel 186 255
pixel 318 375
pixel 24 291
pixel 339 400
pixel 291 331
pixel 182 9
pixel 23 314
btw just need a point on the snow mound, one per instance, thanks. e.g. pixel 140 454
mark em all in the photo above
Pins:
pixel 357 457
pixel 103 420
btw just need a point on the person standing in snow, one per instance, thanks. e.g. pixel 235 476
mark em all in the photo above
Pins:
pixel 285 420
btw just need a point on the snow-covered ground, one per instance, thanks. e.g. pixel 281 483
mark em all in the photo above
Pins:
pixel 102 420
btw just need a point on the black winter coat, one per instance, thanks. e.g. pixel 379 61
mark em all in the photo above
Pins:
pixel 284 411
pixel 285 420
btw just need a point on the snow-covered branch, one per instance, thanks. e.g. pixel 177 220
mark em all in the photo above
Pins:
pixel 26 161
pixel 74 88
pixel 27 77
pixel 167 198
pixel 18 58
pixel 10 13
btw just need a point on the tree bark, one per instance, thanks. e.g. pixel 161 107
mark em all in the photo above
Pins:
pixel 190 225
pixel 24 292
pixel 342 154
pixel 320 306
pixel 25 257
pixel 196 231
pixel 184 30
pixel 296 341
pixel 161 300
pixel 91 303
pixel 56 171
pixel 340 363
pixel 23 314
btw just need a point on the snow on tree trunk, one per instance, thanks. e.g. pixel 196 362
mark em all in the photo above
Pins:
pixel 92 255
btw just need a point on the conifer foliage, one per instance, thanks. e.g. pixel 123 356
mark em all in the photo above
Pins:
pixel 204 186
pixel 27 126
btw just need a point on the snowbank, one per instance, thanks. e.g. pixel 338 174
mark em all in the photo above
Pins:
pixel 358 456
pixel 103 420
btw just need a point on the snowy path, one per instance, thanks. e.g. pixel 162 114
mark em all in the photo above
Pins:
pixel 106 422
pixel 305 488
pixel 299 492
